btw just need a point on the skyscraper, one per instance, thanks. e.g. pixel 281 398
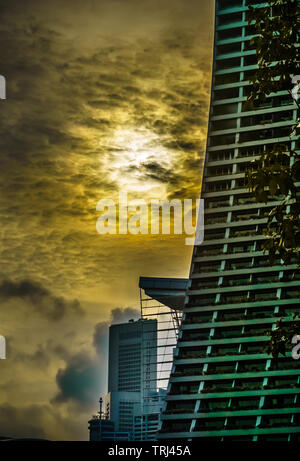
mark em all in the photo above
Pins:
pixel 224 386
pixel 132 370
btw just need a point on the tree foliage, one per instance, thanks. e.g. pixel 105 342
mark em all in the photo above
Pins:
pixel 275 173
pixel 281 337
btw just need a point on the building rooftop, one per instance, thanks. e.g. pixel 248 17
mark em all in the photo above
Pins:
pixel 168 291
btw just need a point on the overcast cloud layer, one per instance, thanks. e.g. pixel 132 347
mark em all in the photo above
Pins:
pixel 102 96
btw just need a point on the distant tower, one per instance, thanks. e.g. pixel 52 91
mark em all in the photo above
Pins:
pixel 132 370
pixel 100 403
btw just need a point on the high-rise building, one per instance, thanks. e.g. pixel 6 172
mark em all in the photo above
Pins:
pixel 132 370
pixel 147 423
pixel 224 386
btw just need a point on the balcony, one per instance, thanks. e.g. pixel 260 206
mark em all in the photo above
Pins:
pixel 243 232
pixel 273 421
pixel 215 219
pixel 204 268
pixel 245 404
pixel 217 203
pixel 187 372
pixel 230 18
pixel 241 423
pixel 235 281
pixel 225 4
pixel 224 316
pixel 197 319
pixel 225 109
pixel 244 216
pixel 229 34
pixel 229 48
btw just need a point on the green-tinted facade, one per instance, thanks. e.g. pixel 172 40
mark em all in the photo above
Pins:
pixel 223 385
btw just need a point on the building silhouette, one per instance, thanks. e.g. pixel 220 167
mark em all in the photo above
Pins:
pixel 132 370
pixel 223 385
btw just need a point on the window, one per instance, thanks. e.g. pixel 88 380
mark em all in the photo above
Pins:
pixel 215 218
pixel 225 109
pixel 210 424
pixel 221 155
pixel 229 349
pixel 250 151
pixel 250 30
pixel 228 332
pixel 219 202
pixel 223 124
pixel 224 4
pixel 201 300
pixel 230 18
pixel 228 93
pixel 276 421
pixel 209 251
pixel 245 231
pixel 244 215
pixel 180 407
pixel 220 368
pixel 250 60
pixel 241 422
pixel 222 140
pixel 219 170
pixel 218 186
pixel 188 370
pixel 245 403
pixel 199 317
pixel 229 48
pixel 206 267
pixel 253 348
pixel 229 33
pixel 225 79
pixel 228 315
pixel 176 426
pixel 213 234
pixel 240 297
pixel 204 283
pixel 240 247
pixel 230 63
pixel 251 366
pixel 238 264
pixel 234 281
pixel 256 330
pixel 260 313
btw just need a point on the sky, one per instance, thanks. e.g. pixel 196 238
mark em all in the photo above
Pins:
pixel 102 97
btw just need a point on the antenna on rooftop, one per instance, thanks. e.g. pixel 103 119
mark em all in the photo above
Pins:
pixel 100 402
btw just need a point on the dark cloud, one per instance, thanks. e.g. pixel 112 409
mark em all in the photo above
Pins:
pixel 101 332
pixel 121 315
pixel 80 381
pixel 85 377
pixel 57 137
pixel 42 300
pixel 100 338
pixel 159 173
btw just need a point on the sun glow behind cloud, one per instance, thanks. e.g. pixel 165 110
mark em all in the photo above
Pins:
pixel 131 150
pixel 120 103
